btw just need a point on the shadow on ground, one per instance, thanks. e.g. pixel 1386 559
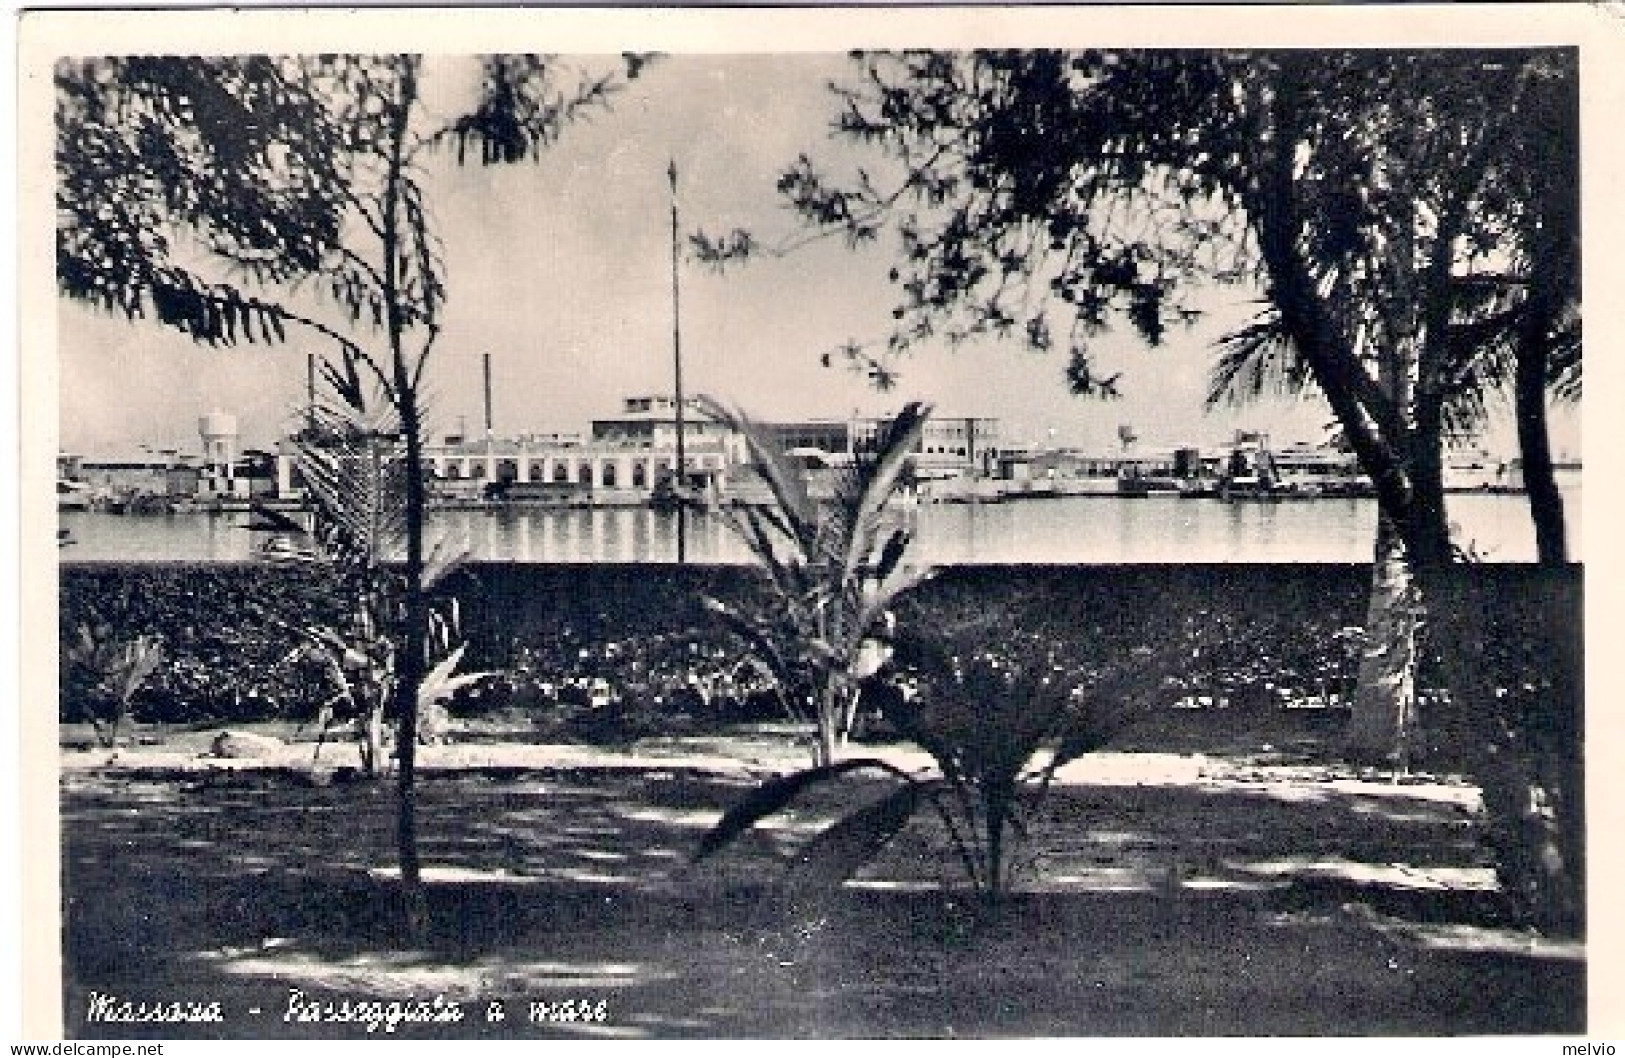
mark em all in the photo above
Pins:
pixel 1182 908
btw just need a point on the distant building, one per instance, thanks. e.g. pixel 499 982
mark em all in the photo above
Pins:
pixel 833 437
pixel 626 458
pixel 949 446
pixel 651 421
pixel 632 456
pixel 141 472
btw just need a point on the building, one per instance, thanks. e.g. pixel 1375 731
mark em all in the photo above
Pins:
pixel 949 446
pixel 142 472
pixel 631 457
pixel 832 437
pixel 626 458
pixel 651 422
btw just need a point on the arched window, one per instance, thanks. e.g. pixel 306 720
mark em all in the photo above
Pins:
pixel 609 475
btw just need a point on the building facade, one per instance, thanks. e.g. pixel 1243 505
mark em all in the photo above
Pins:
pixel 949 446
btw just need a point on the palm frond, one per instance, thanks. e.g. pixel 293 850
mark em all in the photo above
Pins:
pixel 838 853
pixel 878 479
pixel 443 680
pixel 445 559
pixel 775 795
pixel 784 480
pixel 1565 363
pixel 352 471
pixel 1254 361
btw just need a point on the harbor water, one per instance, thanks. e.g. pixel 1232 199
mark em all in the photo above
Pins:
pixel 1077 530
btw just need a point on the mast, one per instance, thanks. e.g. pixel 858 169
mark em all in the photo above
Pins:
pixel 310 395
pixel 677 376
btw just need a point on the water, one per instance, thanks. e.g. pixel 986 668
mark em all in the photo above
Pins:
pixel 1081 530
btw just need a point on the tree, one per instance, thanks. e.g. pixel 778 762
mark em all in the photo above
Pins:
pixel 104 673
pixel 833 569
pixel 1367 193
pixel 348 461
pixel 242 199
pixel 1110 183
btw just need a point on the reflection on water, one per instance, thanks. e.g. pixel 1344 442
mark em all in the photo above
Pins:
pixel 1093 530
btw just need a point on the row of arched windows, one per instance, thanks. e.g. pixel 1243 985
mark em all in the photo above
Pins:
pixel 563 472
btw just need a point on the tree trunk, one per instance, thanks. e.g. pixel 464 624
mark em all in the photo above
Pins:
pixel 827 719
pixel 1534 447
pixel 1533 793
pixel 414 637
pixel 1383 721
pixel 411 676
pixel 1553 235
pixel 1529 397
pixel 1429 536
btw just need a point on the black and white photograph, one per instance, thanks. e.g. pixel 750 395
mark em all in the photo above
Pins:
pixel 638 525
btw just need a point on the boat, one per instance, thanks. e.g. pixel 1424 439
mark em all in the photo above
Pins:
pixel 1255 471
pixel 670 495
pixel 282 547
pixel 1482 473
pixel 1134 483
pixel 1197 488
pixel 72 495
pixel 140 503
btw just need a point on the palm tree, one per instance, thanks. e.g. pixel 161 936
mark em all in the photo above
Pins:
pixel 349 461
pixel 291 173
pixel 832 569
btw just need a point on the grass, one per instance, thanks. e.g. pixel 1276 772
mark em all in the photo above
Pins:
pixel 1217 873
pixel 1249 893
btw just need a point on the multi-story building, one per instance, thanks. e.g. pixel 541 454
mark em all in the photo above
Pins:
pixel 164 473
pixel 950 446
pixel 833 437
pixel 631 457
pixel 625 459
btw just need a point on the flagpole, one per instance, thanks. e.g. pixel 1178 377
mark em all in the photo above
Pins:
pixel 677 376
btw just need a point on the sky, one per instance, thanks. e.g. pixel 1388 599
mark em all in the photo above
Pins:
pixel 560 270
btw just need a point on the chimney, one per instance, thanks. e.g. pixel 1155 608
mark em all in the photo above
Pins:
pixel 488 423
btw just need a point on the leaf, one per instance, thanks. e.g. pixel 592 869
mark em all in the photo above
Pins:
pixel 348 383
pixel 879 599
pixel 271 521
pixel 439 677
pixel 879 479
pixel 139 660
pixel 891 554
pixel 838 853
pixel 774 795
pixel 784 480
pixel 444 559
pixel 757 637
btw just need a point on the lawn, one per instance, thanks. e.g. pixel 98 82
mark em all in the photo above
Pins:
pixel 1251 891
pixel 1216 872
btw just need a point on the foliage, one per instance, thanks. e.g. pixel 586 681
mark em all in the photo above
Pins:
pixel 288 177
pixel 106 671
pixel 998 733
pixel 984 723
pixel 1377 198
pixel 832 570
pixel 350 466
pixel 1410 217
